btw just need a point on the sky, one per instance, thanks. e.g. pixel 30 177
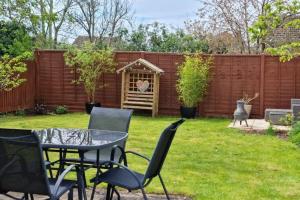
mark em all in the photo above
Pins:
pixel 170 12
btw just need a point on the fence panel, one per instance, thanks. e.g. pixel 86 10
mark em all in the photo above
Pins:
pixel 232 75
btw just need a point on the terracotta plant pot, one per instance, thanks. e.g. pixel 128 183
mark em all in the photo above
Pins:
pixel 188 112
pixel 248 109
pixel 89 107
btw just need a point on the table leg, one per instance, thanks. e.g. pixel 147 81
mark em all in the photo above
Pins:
pixel 97 174
pixel 82 175
pixel 62 157
pixel 108 192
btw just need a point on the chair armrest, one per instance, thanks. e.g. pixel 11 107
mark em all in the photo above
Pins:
pixel 61 178
pixel 123 154
pixel 126 169
pixel 137 154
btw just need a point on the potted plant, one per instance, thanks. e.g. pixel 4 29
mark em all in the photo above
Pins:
pixel 246 99
pixel 89 63
pixel 192 83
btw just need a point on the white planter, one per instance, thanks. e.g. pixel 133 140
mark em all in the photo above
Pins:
pixel 248 109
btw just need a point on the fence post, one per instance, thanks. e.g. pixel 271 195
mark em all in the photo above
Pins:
pixel 37 77
pixel 262 84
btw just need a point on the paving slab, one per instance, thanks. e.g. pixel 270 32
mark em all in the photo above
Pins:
pixel 100 195
pixel 257 125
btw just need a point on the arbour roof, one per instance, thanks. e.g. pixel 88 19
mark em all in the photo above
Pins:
pixel 144 62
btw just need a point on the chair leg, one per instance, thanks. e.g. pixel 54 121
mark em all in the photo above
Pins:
pixel 144 194
pixel 111 193
pixel 70 195
pixel 118 194
pixel 108 192
pixel 93 191
pixel 114 190
pixel 164 186
pixel 31 197
pixel 49 167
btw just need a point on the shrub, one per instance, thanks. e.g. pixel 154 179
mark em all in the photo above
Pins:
pixel 61 110
pixel 287 120
pixel 193 79
pixel 40 109
pixel 294 134
pixel 20 112
pixel 271 131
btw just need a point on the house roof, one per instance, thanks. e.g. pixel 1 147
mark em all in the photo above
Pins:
pixel 146 63
pixel 81 39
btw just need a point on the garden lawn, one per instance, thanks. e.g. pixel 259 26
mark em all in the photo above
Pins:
pixel 206 161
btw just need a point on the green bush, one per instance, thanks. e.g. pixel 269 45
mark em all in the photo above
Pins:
pixel 287 120
pixel 61 110
pixel 20 112
pixel 294 134
pixel 271 131
pixel 193 79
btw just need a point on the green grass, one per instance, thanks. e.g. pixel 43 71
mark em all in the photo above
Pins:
pixel 207 160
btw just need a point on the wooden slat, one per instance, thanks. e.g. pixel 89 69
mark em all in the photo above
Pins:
pixel 137 107
pixel 140 95
pixel 135 92
pixel 138 103
pixel 139 99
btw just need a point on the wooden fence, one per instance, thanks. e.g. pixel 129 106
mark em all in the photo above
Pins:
pixel 276 82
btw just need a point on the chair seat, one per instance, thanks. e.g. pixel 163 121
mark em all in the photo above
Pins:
pixel 65 186
pixel 104 155
pixel 121 178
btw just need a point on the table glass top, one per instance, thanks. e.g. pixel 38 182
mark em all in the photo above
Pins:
pixel 79 138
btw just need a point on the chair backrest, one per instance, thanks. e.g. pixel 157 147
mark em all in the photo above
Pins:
pixel 161 150
pixel 22 166
pixel 112 119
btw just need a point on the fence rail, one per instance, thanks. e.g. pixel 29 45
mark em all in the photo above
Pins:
pixel 276 82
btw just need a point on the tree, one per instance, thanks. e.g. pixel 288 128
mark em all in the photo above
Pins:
pixel 158 38
pixel 101 18
pixel 11 70
pixel 278 15
pixel 44 18
pixel 89 63
pixel 50 18
pixel 14 39
pixel 119 12
pixel 227 16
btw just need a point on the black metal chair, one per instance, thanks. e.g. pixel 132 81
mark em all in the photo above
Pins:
pixel 112 119
pixel 22 167
pixel 122 176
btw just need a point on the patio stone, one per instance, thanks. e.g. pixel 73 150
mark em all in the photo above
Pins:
pixel 258 125
pixel 100 195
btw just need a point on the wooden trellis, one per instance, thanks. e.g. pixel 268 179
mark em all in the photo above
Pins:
pixel 140 86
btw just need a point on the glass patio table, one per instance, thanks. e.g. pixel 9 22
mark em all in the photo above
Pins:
pixel 79 141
